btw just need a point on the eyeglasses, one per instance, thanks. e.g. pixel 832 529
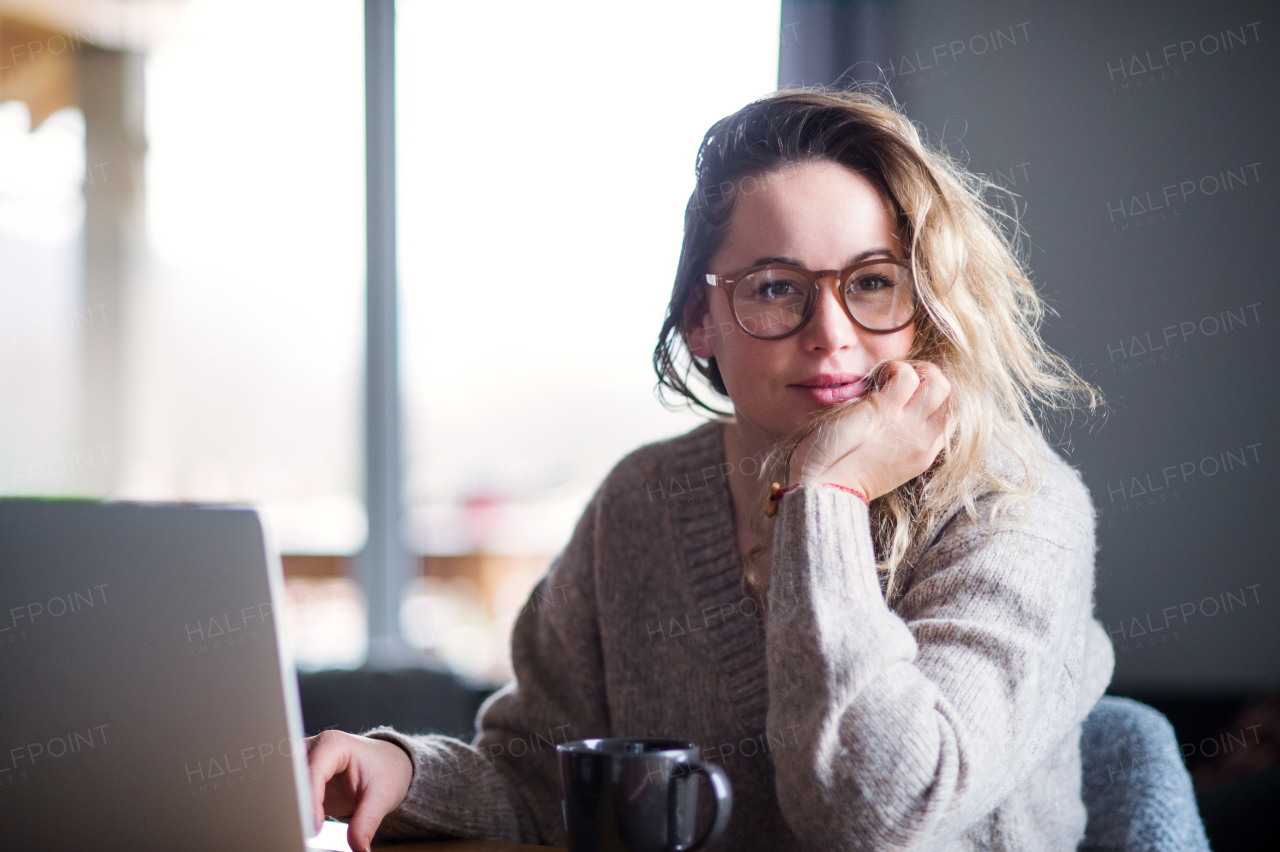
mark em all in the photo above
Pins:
pixel 776 299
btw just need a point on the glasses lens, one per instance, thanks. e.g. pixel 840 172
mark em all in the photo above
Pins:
pixel 881 296
pixel 770 302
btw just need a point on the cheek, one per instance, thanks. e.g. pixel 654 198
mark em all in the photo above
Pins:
pixel 723 335
pixel 746 364
pixel 890 347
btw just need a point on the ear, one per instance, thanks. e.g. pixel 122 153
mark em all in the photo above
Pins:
pixel 698 344
pixel 695 313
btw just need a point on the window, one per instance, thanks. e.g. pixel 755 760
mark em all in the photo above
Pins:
pixel 41 318
pixel 545 156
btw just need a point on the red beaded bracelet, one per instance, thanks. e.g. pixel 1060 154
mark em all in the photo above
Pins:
pixel 776 491
pixel 853 491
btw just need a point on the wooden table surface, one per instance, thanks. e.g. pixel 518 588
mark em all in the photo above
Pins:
pixel 334 837
pixel 463 846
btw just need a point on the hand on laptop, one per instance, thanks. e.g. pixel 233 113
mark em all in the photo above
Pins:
pixel 358 779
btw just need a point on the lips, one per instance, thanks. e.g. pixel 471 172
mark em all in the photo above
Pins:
pixel 831 388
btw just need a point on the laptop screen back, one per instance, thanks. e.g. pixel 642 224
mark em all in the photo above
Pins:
pixel 145 700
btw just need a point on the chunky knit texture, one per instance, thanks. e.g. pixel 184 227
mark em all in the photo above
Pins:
pixel 949 721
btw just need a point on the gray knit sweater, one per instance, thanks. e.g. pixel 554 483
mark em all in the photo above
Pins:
pixel 950 721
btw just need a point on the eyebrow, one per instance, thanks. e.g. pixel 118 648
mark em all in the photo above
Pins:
pixel 791 261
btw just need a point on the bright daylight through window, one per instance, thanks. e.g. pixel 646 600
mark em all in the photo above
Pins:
pixel 543 168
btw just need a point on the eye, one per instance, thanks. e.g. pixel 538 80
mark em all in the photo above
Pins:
pixel 775 285
pixel 872 281
pixel 775 289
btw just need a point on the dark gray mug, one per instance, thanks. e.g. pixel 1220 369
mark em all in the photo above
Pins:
pixel 634 794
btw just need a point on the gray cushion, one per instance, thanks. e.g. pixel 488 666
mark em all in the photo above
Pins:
pixel 1136 789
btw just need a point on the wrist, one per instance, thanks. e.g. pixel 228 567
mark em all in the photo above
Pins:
pixel 841 475
pixel 396 759
pixel 848 483
pixel 776 493
pixel 857 492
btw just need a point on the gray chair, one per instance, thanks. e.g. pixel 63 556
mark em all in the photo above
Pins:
pixel 1136 789
pixel 414 700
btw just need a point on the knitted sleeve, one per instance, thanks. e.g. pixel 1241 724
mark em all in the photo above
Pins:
pixel 912 727
pixel 505 786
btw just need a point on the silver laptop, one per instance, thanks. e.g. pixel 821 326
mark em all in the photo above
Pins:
pixel 147 700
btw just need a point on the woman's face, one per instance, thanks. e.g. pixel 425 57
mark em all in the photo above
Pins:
pixel 818 215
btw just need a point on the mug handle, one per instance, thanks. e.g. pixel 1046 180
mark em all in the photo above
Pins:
pixel 724 804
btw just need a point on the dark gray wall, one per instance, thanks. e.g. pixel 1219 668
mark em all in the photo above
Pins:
pixel 1141 138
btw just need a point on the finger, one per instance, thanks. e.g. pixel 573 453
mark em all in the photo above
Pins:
pixel 924 443
pixel 325 758
pixel 938 445
pixel 933 391
pixel 951 423
pixel 934 431
pixel 375 803
pixel 317 817
pixel 931 373
pixel 901 384
pixel 941 419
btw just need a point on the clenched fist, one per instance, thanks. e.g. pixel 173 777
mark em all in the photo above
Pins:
pixel 892 436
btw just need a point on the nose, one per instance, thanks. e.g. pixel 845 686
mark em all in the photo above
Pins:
pixel 829 328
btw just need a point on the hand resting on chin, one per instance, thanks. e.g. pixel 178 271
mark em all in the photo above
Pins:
pixel 882 440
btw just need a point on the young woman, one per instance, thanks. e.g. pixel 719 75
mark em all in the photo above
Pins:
pixel 892 649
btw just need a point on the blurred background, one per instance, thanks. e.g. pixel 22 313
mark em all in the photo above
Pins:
pixel 182 273
pixel 184 282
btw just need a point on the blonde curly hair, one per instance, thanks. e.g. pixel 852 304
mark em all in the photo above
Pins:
pixel 982 313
